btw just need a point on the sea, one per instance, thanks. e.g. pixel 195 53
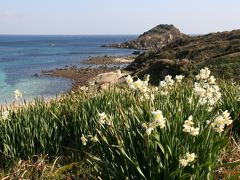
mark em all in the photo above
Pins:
pixel 23 57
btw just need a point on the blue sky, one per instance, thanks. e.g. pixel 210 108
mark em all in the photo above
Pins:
pixel 116 17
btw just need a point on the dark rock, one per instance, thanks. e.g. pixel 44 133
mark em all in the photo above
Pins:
pixel 136 52
pixel 36 75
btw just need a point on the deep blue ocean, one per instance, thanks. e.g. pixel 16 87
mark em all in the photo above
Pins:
pixel 23 56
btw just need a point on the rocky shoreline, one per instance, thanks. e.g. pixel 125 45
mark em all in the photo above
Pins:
pixel 79 76
pixel 102 75
pixel 109 60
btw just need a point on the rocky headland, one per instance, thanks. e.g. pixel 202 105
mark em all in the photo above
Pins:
pixel 156 38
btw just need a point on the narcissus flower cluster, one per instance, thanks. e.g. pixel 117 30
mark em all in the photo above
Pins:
pixel 85 139
pixel 140 86
pixel 159 121
pixel 167 84
pixel 189 158
pixel 220 121
pixel 189 128
pixel 206 88
pixel 104 119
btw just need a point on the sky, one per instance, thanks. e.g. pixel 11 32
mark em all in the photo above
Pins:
pixel 76 17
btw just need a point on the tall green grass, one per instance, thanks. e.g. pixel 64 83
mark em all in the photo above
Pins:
pixel 123 150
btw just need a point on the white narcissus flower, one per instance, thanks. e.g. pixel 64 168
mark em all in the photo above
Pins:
pixel 209 92
pixel 147 78
pixel 211 80
pixel 157 114
pixel 141 98
pixel 141 86
pixel 169 80
pixel 189 121
pixel 194 131
pixel 188 127
pixel 210 109
pixel 165 86
pixel 152 97
pixel 18 94
pixel 211 101
pixel 208 122
pixel 129 79
pixel 220 122
pixel 84 140
pixel 94 139
pixel 190 157
pixel 227 118
pixel 102 118
pixel 144 125
pixel 226 114
pixel 204 73
pixel 138 84
pixel 219 129
pixel 162 84
pixel 179 78
pixel 155 89
pixel 102 115
pixel 5 114
pixel 146 96
pixel 149 131
pixel 183 162
pixel 159 121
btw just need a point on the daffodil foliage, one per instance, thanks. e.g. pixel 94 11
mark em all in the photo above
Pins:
pixel 174 131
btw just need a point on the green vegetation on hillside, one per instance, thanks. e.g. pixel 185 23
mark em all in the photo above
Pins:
pixel 218 51
pixel 225 67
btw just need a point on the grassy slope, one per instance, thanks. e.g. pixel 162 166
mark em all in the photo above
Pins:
pixel 218 51
pixel 225 67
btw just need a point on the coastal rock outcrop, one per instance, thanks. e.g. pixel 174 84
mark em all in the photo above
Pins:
pixel 220 51
pixel 156 38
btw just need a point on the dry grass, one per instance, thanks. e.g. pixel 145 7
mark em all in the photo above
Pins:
pixel 230 156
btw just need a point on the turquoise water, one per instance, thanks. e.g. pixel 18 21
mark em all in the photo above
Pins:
pixel 23 56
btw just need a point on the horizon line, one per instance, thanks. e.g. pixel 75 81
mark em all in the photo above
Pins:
pixel 190 34
pixel 68 34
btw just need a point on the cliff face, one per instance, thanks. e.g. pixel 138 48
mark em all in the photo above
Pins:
pixel 156 38
pixel 187 53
